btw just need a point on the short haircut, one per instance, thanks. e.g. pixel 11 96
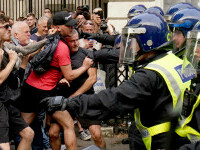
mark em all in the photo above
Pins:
pixel 74 31
pixel 97 9
pixel 48 9
pixel 30 14
pixel 4 19
pixel 89 22
pixel 42 18
pixel 16 26
pixel 20 19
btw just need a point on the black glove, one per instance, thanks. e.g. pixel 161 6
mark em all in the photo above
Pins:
pixel 89 35
pixel 52 104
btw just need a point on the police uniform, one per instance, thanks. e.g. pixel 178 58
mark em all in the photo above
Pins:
pixel 189 125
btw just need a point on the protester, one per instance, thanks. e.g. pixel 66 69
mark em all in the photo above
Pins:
pixel 42 30
pixel 47 12
pixel 90 44
pixel 11 120
pixel 83 84
pixel 37 87
pixel 31 21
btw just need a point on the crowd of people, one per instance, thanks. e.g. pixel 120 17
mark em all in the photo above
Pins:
pixel 162 93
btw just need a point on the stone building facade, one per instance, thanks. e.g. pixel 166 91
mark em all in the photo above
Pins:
pixel 117 9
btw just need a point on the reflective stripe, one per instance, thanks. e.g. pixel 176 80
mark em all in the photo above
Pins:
pixel 130 71
pixel 160 128
pixel 186 131
pixel 147 133
pixel 189 132
pixel 171 78
pixel 151 131
pixel 167 68
pixel 155 130
pixel 189 118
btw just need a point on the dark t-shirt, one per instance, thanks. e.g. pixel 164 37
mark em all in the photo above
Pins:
pixel 36 38
pixel 76 62
pixel 34 30
pixel 10 89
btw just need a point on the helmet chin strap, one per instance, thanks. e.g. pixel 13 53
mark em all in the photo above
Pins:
pixel 140 53
pixel 146 55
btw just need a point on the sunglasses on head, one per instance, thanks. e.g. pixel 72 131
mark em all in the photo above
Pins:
pixel 6 26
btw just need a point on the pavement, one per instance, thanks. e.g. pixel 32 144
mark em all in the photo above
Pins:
pixel 113 143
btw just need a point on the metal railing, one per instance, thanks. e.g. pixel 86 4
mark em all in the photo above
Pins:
pixel 20 8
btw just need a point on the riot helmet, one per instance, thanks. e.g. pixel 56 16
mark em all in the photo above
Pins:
pixel 182 22
pixel 144 33
pixel 175 8
pixel 135 10
pixel 156 10
pixel 197 26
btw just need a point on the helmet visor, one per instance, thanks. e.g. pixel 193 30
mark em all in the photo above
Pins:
pixel 191 63
pixel 128 48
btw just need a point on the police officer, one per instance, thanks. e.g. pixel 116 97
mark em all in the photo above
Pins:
pixel 190 114
pixel 135 10
pixel 153 91
pixel 182 22
pixel 175 8
pixel 155 9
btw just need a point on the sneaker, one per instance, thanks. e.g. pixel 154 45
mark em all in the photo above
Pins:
pixel 63 147
pixel 84 136
pixel 87 132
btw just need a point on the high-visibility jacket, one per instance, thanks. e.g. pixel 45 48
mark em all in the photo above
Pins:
pixel 169 67
pixel 185 130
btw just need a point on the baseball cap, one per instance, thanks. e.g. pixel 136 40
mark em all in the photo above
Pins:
pixel 63 18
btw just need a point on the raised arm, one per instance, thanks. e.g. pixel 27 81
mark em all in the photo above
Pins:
pixel 70 74
pixel 26 49
pixel 88 84
pixel 9 67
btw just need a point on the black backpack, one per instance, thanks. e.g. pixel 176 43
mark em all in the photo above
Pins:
pixel 40 63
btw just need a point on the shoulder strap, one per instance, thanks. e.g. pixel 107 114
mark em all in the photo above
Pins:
pixel 63 39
